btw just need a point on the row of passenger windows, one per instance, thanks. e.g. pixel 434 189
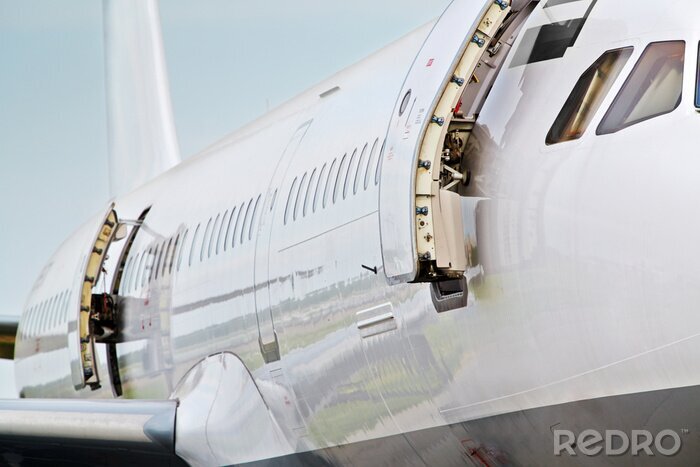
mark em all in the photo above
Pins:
pixel 317 188
pixel 653 88
pixel 46 315
pixel 237 225
pixel 220 234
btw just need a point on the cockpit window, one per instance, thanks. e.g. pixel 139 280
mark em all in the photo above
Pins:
pixel 654 88
pixel 587 95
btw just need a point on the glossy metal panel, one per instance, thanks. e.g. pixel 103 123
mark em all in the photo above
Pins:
pixel 266 329
pixel 222 418
pixel 146 426
pixel 582 269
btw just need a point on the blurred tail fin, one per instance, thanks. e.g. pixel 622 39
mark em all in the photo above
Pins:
pixel 142 138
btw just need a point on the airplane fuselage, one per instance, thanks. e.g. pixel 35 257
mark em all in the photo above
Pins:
pixel 582 272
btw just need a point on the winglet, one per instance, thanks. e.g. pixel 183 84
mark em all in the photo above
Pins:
pixel 142 138
pixel 8 333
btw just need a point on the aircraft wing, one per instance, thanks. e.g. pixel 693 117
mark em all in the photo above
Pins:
pixel 81 432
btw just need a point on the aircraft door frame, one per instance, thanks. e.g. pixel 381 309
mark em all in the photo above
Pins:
pixel 417 215
pixel 81 343
pixel 267 336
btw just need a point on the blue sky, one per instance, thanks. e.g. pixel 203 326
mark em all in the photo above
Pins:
pixel 229 61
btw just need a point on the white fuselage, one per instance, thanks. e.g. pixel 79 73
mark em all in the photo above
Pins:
pixel 586 285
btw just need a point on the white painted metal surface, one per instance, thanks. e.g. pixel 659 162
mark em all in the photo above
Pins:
pixel 219 397
pixel 583 266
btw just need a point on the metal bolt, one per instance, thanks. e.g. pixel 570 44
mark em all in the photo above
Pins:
pixel 501 3
pixel 478 41
pixel 424 164
pixel 457 80
pixel 439 120
pixel 425 256
pixel 422 211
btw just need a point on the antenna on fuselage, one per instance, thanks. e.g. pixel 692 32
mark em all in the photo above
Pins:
pixel 141 130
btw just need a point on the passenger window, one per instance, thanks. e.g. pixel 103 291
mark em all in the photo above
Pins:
pixel 194 242
pixel 24 323
pixel 148 266
pixel 370 163
pixel 39 317
pixel 133 268
pixel 142 266
pixel 166 256
pixel 246 221
pixel 45 315
pixel 239 221
pixel 56 310
pixel 39 314
pixel 310 191
pixel 221 240
pixel 360 164
pixel 35 324
pixel 654 88
pixel 139 272
pixel 153 268
pixel 587 95
pixel 49 313
pixel 300 195
pixel 329 182
pixel 34 319
pixel 182 249
pixel 274 198
pixel 214 235
pixel 125 277
pixel 52 312
pixel 205 240
pixel 352 168
pixel 129 274
pixel 290 198
pixel 172 257
pixel 340 177
pixel 378 170
pixel 302 191
pixel 161 255
pixel 253 218
pixel 59 309
pixel 319 183
pixel 229 229
pixel 66 307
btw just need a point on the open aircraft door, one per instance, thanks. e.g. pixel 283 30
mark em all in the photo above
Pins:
pixel 419 206
pixel 81 338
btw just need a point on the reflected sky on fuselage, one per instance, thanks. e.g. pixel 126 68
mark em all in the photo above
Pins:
pixel 228 61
